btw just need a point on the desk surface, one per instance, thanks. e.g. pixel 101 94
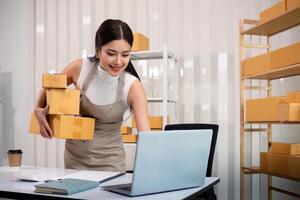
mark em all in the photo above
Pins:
pixel 11 186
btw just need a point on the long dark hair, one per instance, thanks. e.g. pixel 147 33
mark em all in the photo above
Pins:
pixel 113 29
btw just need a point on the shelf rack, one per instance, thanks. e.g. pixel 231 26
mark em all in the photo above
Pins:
pixel 277 25
pixel 165 56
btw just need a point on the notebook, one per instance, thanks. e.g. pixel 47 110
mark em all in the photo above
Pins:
pixel 65 186
pixel 167 161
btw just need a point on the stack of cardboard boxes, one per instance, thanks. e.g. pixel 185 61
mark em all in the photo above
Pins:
pixel 273 60
pixel 274 109
pixel 278 9
pixel 279 58
pixel 63 117
pixel 284 160
pixel 156 123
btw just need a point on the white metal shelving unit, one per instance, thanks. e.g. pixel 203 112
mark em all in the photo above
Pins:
pixel 165 56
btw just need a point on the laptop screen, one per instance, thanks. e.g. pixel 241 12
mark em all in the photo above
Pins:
pixel 170 160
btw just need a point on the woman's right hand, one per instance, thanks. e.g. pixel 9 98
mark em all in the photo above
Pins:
pixel 41 115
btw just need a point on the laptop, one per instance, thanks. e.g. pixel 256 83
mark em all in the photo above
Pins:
pixel 167 161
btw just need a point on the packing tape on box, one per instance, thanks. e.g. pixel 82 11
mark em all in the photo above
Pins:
pixel 76 135
pixel 78 122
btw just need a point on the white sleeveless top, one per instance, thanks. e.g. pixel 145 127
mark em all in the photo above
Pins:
pixel 103 87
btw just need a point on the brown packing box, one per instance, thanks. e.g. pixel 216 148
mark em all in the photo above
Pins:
pixel 292 4
pixel 67 126
pixel 279 163
pixel 264 109
pixel 293 97
pixel 63 101
pixel 273 12
pixel 257 64
pixel 295 166
pixel 54 81
pixel 129 138
pixel 34 125
pixel 264 161
pixel 140 42
pixel 285 56
pixel 156 122
pixel 125 130
pixel 290 112
pixel 285 148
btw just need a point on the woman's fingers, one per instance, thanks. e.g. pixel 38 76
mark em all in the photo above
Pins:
pixel 47 127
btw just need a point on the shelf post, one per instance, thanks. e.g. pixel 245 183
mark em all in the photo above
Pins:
pixel 165 85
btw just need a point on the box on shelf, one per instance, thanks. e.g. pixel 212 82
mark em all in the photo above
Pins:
pixel 292 4
pixel 285 56
pixel 295 166
pixel 130 138
pixel 63 101
pixel 156 122
pixel 54 81
pixel 293 97
pixel 140 42
pixel 272 12
pixel 264 161
pixel 257 64
pixel 290 112
pixel 285 148
pixel 279 163
pixel 125 130
pixel 264 109
pixel 67 126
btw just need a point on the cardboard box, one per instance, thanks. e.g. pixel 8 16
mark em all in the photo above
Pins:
pixel 295 167
pixel 273 12
pixel 285 148
pixel 257 64
pixel 129 138
pixel 264 109
pixel 264 161
pixel 290 112
pixel 54 81
pixel 63 101
pixel 66 126
pixel 156 122
pixel 292 4
pixel 34 126
pixel 140 42
pixel 279 164
pixel 293 97
pixel 125 130
pixel 285 56
pixel 72 127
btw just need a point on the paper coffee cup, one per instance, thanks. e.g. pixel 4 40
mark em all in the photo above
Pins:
pixel 14 158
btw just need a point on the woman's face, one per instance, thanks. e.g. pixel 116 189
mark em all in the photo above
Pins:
pixel 114 56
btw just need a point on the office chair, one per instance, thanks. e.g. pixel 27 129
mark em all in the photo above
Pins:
pixel 210 194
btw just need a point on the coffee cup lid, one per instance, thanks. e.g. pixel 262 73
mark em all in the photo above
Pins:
pixel 15 151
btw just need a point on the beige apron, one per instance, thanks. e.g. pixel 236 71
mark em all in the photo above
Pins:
pixel 106 151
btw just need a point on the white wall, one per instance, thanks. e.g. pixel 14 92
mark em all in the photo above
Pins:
pixel 37 36
pixel 15 57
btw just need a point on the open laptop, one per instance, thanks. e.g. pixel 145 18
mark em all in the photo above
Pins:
pixel 166 161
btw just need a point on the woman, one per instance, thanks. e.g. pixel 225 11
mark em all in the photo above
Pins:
pixel 109 85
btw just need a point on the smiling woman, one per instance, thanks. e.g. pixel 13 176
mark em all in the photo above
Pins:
pixel 109 86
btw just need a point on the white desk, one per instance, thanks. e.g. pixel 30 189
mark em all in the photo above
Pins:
pixel 10 187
